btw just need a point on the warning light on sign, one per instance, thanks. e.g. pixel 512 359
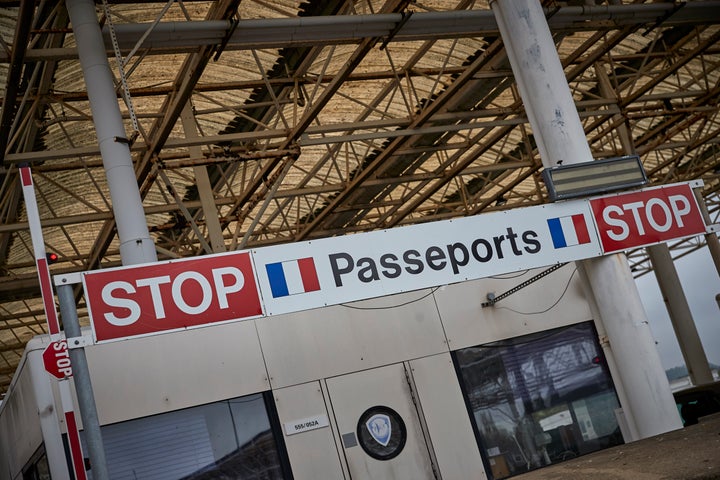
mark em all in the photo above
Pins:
pixel 591 178
pixel 51 258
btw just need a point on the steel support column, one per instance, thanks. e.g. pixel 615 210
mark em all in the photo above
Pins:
pixel 666 274
pixel 136 246
pixel 83 387
pixel 680 316
pixel 202 180
pixel 561 138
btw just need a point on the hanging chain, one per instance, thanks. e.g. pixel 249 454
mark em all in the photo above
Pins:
pixel 121 69
pixel 492 299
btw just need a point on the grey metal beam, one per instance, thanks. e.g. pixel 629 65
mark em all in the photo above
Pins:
pixel 17 59
pixel 182 37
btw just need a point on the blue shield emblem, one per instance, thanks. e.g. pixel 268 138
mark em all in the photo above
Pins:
pixel 379 427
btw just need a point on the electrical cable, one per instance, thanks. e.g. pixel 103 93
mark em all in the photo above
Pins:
pixel 509 275
pixel 435 289
pixel 567 285
pixel 392 306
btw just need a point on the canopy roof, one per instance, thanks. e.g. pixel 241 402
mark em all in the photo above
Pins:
pixel 298 120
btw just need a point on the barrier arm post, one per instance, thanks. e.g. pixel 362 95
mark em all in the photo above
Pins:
pixel 83 387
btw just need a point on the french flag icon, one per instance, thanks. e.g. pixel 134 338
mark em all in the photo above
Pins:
pixel 568 231
pixel 292 277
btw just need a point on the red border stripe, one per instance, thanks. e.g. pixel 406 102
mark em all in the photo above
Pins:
pixel 25 177
pixel 308 273
pixel 581 229
pixel 47 296
pixel 75 447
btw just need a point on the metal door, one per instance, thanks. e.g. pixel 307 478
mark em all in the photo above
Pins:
pixel 379 425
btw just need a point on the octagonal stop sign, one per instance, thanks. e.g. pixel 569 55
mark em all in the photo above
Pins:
pixel 56 358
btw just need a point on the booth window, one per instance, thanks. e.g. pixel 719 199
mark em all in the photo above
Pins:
pixel 37 467
pixel 237 438
pixel 539 399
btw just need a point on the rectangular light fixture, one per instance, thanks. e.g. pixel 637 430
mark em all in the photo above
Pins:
pixel 590 178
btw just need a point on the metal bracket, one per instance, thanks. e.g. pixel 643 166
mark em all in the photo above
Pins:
pixel 662 18
pixel 404 17
pixel 234 22
pixel 68 278
pixel 79 342
pixel 715 228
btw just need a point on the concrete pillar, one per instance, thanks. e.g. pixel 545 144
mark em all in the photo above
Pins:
pixel 561 139
pixel 667 277
pixel 628 429
pixel 713 243
pixel 136 246
pixel 651 405
pixel 680 316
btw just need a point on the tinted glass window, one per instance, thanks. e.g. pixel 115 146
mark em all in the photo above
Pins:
pixel 539 399
pixel 37 468
pixel 231 439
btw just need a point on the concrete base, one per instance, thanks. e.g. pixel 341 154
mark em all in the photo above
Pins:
pixel 687 454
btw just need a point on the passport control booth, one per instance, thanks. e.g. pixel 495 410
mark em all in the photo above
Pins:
pixel 467 348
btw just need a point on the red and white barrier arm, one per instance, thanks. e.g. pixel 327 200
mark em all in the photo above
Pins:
pixel 73 433
pixel 39 250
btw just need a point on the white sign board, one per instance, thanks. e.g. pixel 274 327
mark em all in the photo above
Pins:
pixel 176 294
pixel 331 271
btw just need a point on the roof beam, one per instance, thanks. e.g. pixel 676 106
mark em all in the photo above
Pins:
pixel 184 37
pixel 17 61
pixel 424 116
